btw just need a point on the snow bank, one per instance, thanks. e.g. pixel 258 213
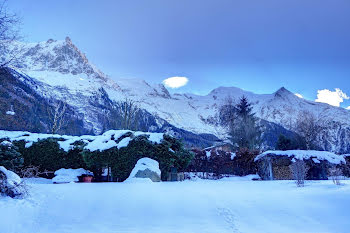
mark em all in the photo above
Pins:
pixel 141 166
pixel 93 143
pixel 316 156
pixel 69 175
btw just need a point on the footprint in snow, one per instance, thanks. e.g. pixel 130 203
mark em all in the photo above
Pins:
pixel 229 217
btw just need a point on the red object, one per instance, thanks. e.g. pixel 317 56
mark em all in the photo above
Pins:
pixel 87 179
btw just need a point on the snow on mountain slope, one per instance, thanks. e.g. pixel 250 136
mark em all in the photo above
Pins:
pixel 65 73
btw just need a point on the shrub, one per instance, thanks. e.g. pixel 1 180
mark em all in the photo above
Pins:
pixel 244 162
pixel 336 174
pixel 169 153
pixel 45 154
pixel 299 171
pixel 10 157
pixel 33 172
pixel 74 157
pixel 11 185
pixel 96 161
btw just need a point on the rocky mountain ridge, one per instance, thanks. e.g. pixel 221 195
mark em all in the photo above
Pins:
pixel 58 70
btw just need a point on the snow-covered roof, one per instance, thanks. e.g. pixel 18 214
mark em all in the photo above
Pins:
pixel 93 143
pixel 316 156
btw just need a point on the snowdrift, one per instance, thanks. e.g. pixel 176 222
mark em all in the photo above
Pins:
pixel 69 175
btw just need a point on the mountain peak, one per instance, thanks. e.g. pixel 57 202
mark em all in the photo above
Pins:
pixel 57 56
pixel 68 40
pixel 283 92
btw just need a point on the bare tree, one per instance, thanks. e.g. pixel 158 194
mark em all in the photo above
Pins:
pixel 9 33
pixel 130 113
pixel 309 127
pixel 299 171
pixel 33 172
pixel 336 174
pixel 57 116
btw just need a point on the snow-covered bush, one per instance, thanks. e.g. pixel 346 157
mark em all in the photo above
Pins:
pixel 222 161
pixel 299 171
pixel 48 156
pixel 169 153
pixel 69 175
pixel 118 150
pixel 11 184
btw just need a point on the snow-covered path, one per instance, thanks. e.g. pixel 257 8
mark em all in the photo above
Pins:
pixel 198 207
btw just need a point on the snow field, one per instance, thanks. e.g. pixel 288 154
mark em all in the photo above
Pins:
pixel 230 205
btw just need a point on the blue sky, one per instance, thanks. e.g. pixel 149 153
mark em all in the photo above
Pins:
pixel 256 45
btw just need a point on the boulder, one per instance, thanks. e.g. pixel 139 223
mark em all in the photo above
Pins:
pixel 69 175
pixel 146 169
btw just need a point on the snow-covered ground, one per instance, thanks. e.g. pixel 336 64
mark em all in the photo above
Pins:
pixel 230 205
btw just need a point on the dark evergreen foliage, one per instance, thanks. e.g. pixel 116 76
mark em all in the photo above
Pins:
pixel 10 157
pixel 169 153
pixel 284 143
pixel 243 128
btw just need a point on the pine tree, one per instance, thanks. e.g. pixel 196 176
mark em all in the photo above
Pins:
pixel 244 131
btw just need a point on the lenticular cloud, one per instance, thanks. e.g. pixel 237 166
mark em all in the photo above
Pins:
pixel 175 82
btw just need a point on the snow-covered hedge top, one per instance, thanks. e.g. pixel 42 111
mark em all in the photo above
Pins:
pixel 316 156
pixel 93 143
pixel 12 178
pixel 6 143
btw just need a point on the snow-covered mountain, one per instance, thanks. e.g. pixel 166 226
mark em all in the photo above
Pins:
pixel 59 70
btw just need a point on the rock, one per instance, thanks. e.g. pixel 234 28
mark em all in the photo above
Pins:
pixel 147 169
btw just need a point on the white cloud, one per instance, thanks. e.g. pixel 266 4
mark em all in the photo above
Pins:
pixel 348 108
pixel 175 82
pixel 331 97
pixel 299 95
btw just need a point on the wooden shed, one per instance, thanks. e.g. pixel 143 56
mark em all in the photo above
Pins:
pixel 275 165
